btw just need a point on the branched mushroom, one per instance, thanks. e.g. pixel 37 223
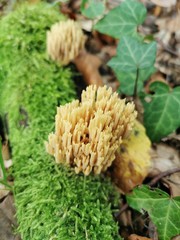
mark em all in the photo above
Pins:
pixel 66 43
pixel 88 133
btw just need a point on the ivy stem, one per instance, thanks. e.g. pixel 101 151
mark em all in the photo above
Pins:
pixel 136 84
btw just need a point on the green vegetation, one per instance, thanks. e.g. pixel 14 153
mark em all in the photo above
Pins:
pixel 52 202
pixel 161 115
pixel 163 210
pixel 134 64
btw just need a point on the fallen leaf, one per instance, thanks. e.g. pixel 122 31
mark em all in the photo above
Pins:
pixel 158 76
pixel 137 237
pixel 171 24
pixel 88 65
pixel 173 183
pixel 132 161
pixel 163 158
pixel 164 3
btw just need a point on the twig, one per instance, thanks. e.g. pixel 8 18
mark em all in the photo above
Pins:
pixel 124 208
pixel 161 175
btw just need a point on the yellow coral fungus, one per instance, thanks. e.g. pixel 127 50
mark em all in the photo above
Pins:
pixel 88 133
pixel 64 41
pixel 132 161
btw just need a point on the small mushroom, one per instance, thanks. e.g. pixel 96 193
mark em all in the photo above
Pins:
pixel 66 43
pixel 88 133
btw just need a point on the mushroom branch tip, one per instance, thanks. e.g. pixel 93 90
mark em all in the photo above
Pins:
pixel 88 133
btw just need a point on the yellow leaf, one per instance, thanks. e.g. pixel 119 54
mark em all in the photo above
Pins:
pixel 132 161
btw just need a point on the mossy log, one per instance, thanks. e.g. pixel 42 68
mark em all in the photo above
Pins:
pixel 52 202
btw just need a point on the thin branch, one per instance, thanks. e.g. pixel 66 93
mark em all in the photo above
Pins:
pixel 161 175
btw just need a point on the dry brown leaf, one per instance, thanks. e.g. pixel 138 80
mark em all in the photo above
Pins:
pixel 173 183
pixel 154 78
pixel 137 237
pixel 164 3
pixel 171 24
pixel 164 158
pixel 88 65
pixel 157 11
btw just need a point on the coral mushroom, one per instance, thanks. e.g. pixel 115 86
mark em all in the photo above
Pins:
pixel 88 133
pixel 64 41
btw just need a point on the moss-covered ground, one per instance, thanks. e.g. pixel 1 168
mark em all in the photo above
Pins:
pixel 51 201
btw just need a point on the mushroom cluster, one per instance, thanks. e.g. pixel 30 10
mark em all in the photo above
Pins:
pixel 88 133
pixel 64 41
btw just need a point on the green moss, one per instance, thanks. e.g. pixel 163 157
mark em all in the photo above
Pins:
pixel 52 202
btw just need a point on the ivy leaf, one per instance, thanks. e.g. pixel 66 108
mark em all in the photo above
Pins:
pixel 132 55
pixel 163 210
pixel 122 20
pixel 161 114
pixel 127 80
pixel 93 10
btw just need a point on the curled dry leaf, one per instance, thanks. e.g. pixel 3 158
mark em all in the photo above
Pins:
pixel 88 133
pixel 132 162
